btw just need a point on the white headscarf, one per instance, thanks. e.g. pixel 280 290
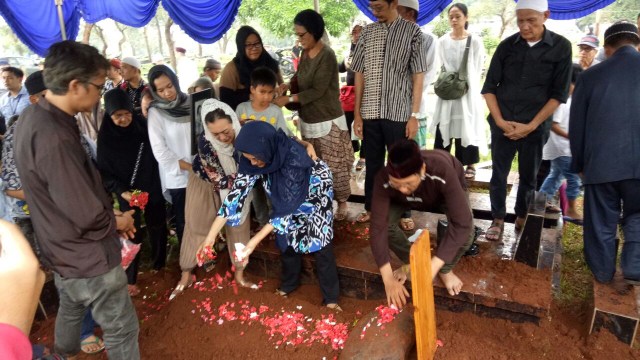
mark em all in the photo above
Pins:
pixel 224 151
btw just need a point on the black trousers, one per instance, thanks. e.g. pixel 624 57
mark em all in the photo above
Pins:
pixel 467 155
pixel 178 198
pixel 379 135
pixel 503 151
pixel 354 143
pixel 326 271
pixel 155 217
pixel 603 204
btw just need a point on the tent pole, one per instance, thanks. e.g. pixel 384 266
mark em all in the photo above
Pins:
pixel 63 31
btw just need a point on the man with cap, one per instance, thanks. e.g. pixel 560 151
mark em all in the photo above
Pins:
pixel 113 75
pixel 187 70
pixel 389 61
pixel 212 70
pixel 133 83
pixel 604 128
pixel 527 80
pixel 424 180
pixel 587 50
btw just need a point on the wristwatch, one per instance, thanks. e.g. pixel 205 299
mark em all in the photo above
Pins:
pixel 416 115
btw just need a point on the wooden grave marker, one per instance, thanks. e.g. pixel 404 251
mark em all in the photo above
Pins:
pixel 422 294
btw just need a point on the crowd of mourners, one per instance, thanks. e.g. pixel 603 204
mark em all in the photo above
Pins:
pixel 85 135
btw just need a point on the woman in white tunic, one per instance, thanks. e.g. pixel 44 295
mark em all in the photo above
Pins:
pixel 461 119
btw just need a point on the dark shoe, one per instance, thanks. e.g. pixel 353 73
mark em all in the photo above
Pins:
pixel 473 250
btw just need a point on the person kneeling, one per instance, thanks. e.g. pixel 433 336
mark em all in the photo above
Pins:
pixel 424 180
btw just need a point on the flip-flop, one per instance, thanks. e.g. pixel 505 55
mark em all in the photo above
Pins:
pixel 363 217
pixel 96 341
pixel 578 222
pixel 341 215
pixel 470 173
pixel 360 165
pixel 494 232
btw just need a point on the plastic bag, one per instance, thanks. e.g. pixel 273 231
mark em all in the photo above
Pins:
pixel 128 252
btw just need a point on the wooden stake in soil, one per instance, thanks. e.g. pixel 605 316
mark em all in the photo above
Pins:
pixel 422 293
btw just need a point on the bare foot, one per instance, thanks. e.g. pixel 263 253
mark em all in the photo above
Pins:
pixel 451 282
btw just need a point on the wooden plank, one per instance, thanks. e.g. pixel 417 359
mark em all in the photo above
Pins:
pixel 422 293
pixel 615 312
pixel 528 249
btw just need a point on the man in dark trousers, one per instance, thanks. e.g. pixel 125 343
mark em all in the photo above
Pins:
pixel 527 80
pixel 605 146
pixel 71 212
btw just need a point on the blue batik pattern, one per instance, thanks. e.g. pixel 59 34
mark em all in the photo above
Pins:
pixel 306 230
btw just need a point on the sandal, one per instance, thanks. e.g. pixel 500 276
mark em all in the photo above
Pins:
pixel 335 307
pixel 281 293
pixel 247 284
pixel 363 217
pixel 87 344
pixel 181 288
pixel 470 173
pixel 578 222
pixel 407 224
pixel 133 290
pixel 360 165
pixel 519 224
pixel 552 209
pixel 341 215
pixel 494 232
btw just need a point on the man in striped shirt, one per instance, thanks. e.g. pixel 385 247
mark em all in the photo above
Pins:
pixel 389 62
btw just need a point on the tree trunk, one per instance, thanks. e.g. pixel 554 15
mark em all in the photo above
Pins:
pixel 104 41
pixel 169 39
pixel 146 42
pixel 158 28
pixel 199 50
pixel 123 39
pixel 86 35
pixel 222 45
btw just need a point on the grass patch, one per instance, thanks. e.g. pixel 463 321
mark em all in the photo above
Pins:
pixel 476 189
pixel 576 281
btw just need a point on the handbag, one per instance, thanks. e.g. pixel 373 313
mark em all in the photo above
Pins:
pixel 453 85
pixel 348 97
pixel 293 89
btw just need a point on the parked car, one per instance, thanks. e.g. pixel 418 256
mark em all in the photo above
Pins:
pixel 27 65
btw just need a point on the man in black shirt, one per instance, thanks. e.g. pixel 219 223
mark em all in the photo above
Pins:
pixel 528 78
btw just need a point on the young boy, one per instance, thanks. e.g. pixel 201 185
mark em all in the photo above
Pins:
pixel 558 151
pixel 260 107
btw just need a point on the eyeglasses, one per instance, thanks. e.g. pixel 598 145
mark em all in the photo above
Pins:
pixel 256 45
pixel 121 116
pixel 300 36
pixel 586 49
pixel 377 9
pixel 99 87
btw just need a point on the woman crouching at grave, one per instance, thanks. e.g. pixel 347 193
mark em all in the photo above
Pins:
pixel 301 192
pixel 214 169
pixel 424 180
pixel 126 163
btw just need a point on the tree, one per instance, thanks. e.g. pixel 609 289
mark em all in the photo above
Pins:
pixel 618 10
pixel 277 15
pixel 86 35
pixel 100 33
pixel 505 10
pixel 123 39
pixel 169 38
pixel 146 41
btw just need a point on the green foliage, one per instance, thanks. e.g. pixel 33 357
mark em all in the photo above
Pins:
pixel 277 15
pixel 619 10
pixel 490 42
pixel 441 26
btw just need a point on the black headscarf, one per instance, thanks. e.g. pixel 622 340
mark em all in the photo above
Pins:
pixel 180 108
pixel 118 149
pixel 243 64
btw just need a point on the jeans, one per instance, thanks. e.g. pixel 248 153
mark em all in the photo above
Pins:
pixel 107 297
pixel 325 269
pixel 602 206
pixel 560 169
pixel 87 326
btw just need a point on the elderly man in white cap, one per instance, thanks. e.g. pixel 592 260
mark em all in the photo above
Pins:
pixel 133 84
pixel 528 78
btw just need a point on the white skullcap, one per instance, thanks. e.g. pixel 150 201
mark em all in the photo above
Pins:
pixel 131 61
pixel 537 5
pixel 411 4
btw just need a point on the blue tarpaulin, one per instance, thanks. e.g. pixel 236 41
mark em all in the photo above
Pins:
pixel 36 24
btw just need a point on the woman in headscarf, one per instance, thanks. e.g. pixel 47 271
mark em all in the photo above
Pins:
pixel 235 80
pixel 301 194
pixel 214 169
pixel 170 136
pixel 323 124
pixel 126 163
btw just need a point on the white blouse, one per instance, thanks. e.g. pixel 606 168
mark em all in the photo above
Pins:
pixel 170 142
pixel 462 118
